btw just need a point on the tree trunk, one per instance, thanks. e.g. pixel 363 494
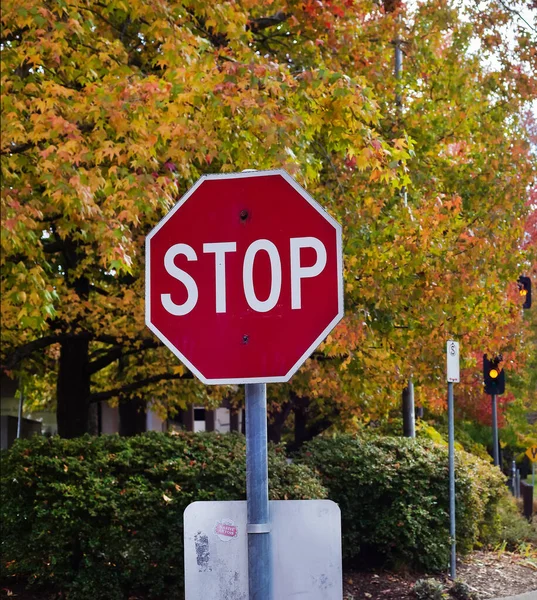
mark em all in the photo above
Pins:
pixel 73 388
pixel 94 418
pixel 301 420
pixel 308 424
pixel 276 423
pixel 187 418
pixel 210 420
pixel 233 420
pixel 132 417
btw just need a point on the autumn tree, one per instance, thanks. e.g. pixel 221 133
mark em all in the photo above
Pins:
pixel 111 111
pixel 440 259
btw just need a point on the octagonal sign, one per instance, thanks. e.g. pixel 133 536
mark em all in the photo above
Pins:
pixel 244 277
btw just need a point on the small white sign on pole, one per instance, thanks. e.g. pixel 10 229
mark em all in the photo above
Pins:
pixel 453 366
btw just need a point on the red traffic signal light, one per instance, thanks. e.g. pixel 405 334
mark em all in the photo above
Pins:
pixel 524 288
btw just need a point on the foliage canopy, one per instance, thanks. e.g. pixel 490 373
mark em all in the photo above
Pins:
pixel 111 110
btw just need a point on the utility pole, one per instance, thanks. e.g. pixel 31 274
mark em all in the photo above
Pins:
pixel 398 70
pixel 21 401
pixel 409 413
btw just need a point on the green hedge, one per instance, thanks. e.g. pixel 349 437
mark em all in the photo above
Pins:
pixel 102 518
pixel 394 497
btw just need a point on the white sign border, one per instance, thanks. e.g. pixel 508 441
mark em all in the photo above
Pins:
pixel 319 339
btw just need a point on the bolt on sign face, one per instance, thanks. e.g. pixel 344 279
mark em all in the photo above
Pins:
pixel 244 277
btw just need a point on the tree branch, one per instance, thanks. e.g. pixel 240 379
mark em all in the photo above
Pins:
pixel 53 247
pixel 13 148
pixel 136 385
pixel 261 23
pixel 98 290
pixel 321 357
pixel 119 352
pixel 17 148
pixel 515 12
pixel 28 349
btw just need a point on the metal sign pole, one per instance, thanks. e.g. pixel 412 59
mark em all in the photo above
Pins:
pixel 451 444
pixel 453 375
pixel 19 415
pixel 495 444
pixel 513 478
pixel 258 526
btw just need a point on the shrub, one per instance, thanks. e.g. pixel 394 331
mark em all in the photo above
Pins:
pixel 102 518
pixel 513 529
pixel 469 436
pixel 429 589
pixel 462 591
pixel 394 497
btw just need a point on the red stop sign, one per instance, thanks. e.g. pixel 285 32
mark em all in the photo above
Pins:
pixel 244 277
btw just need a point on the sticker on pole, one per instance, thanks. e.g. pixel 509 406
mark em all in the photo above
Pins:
pixel 531 453
pixel 453 367
pixel 226 530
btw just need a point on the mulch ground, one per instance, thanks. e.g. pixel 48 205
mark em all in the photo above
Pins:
pixel 491 574
pixel 378 584
pixel 496 574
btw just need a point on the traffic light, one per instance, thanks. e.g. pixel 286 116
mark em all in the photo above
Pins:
pixel 493 375
pixel 524 288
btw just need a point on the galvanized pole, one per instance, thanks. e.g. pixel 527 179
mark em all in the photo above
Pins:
pixel 409 412
pixel 21 400
pixel 397 71
pixel 513 478
pixel 451 451
pixel 259 546
pixel 495 443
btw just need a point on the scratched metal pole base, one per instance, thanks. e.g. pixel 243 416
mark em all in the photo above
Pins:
pixel 259 537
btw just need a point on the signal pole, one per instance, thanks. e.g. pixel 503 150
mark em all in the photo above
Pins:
pixel 494 380
pixel 495 440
